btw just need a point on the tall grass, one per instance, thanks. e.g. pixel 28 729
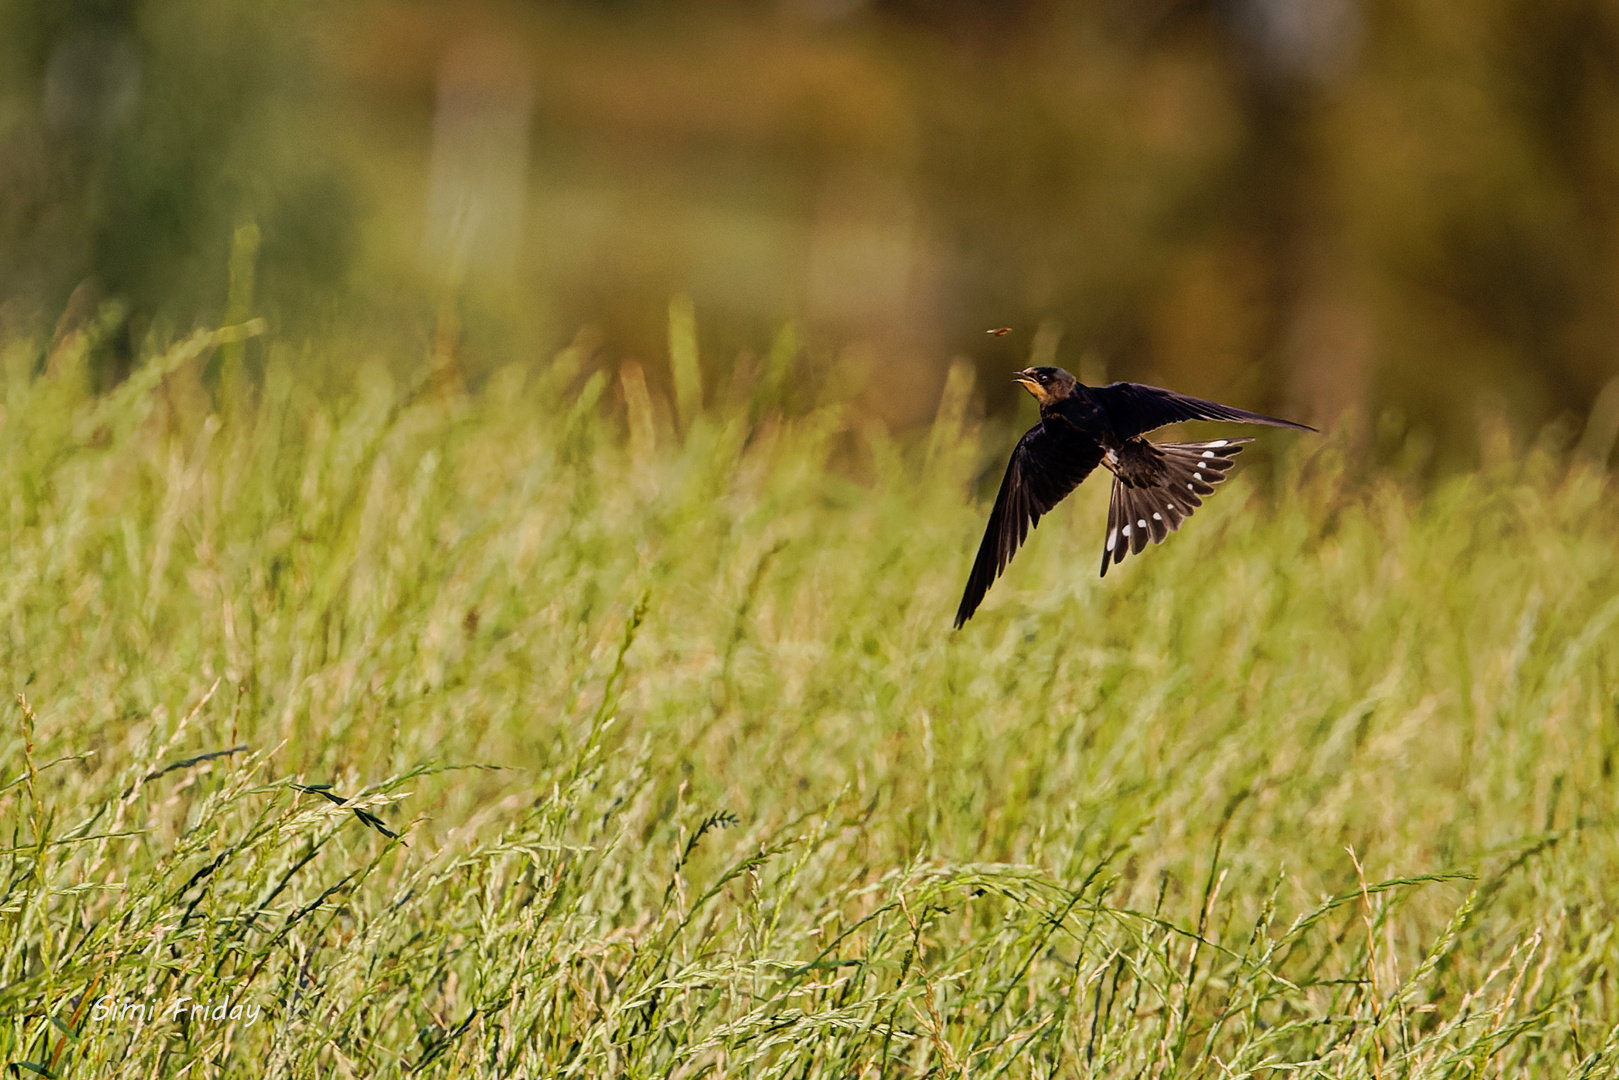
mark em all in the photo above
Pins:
pixel 552 729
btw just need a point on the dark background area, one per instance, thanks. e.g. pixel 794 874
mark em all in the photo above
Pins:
pixel 1404 210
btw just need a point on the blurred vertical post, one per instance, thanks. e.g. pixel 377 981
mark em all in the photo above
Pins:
pixel 867 278
pixel 244 255
pixel 1294 52
pixel 478 173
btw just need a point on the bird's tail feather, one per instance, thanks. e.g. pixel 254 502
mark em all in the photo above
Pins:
pixel 1138 514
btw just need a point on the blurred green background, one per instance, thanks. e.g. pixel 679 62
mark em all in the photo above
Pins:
pixel 1405 210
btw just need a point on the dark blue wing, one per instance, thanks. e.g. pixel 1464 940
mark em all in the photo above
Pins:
pixel 1133 408
pixel 1047 464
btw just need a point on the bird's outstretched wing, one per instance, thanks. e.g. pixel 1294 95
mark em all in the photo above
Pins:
pixel 1133 408
pixel 1048 463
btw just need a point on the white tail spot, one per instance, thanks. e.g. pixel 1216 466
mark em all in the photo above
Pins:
pixel 1125 531
pixel 1169 506
pixel 1112 538
pixel 1198 475
pixel 1189 487
pixel 1218 442
pixel 1142 524
pixel 1157 517
pixel 1208 453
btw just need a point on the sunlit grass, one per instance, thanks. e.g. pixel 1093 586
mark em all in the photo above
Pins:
pixel 690 774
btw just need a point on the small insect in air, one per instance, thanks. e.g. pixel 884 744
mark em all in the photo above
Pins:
pixel 999 331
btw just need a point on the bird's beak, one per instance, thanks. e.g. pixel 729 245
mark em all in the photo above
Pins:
pixel 1029 382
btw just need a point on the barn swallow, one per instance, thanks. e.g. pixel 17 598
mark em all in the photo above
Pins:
pixel 1156 486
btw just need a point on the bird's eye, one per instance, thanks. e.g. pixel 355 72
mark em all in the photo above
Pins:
pixel 1045 378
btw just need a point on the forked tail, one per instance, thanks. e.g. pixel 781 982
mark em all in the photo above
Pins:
pixel 1138 514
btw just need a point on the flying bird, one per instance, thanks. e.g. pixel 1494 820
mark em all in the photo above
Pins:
pixel 1156 486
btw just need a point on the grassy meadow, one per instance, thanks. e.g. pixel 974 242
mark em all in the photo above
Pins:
pixel 562 727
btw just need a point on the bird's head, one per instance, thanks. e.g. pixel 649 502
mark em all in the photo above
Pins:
pixel 1047 384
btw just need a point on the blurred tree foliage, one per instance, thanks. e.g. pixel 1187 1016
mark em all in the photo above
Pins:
pixel 134 137
pixel 1302 204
